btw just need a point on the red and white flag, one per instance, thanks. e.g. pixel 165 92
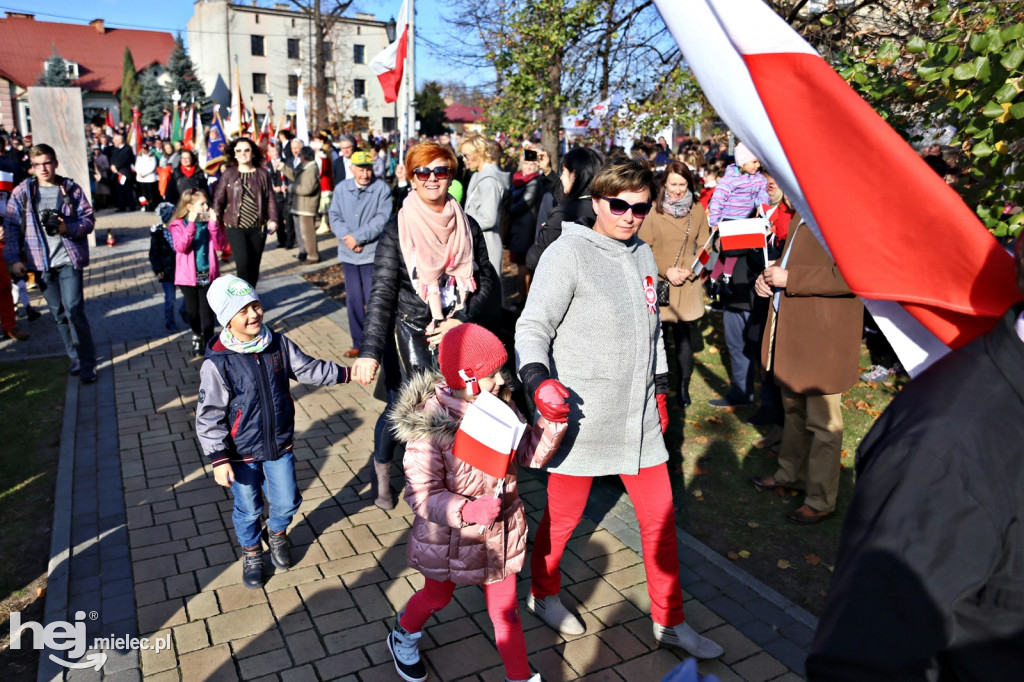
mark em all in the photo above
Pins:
pixel 741 234
pixel 6 181
pixel 390 62
pixel 189 136
pixel 488 436
pixel 707 257
pixel 927 269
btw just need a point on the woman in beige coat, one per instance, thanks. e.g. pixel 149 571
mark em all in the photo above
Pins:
pixel 676 231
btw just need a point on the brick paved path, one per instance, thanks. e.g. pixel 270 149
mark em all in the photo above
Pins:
pixel 143 543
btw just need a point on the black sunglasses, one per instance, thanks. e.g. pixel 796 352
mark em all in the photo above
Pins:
pixel 619 207
pixel 440 172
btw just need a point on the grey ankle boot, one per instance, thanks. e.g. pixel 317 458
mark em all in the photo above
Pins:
pixel 383 471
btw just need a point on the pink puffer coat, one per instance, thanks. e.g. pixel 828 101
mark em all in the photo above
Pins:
pixel 438 485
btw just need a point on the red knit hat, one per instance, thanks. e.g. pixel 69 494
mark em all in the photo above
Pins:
pixel 473 349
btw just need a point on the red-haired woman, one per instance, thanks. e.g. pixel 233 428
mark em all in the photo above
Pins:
pixel 430 274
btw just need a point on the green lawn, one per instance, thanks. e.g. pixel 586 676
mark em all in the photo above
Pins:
pixel 712 456
pixel 31 413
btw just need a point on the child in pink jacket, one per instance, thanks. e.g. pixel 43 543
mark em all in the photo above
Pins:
pixel 197 237
pixel 453 501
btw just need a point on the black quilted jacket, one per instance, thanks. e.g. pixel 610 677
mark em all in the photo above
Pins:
pixel 392 295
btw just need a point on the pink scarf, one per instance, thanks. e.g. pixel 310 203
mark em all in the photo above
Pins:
pixel 436 244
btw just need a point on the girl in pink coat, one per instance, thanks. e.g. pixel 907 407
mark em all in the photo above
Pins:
pixel 196 236
pixel 453 501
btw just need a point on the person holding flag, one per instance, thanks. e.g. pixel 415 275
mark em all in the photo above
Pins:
pixel 465 532
pixel 594 290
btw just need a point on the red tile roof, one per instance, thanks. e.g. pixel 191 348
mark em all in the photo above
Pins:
pixel 460 113
pixel 25 45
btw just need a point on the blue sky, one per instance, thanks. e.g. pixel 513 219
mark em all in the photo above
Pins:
pixel 173 16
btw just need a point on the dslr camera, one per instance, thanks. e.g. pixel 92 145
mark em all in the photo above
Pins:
pixel 51 221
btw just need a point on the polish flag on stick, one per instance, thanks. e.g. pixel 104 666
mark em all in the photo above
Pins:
pixel 741 234
pixel 6 182
pixel 797 115
pixel 707 257
pixel 488 436
pixel 389 62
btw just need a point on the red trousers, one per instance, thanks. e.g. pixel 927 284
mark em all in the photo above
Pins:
pixel 8 321
pixel 651 493
pixel 501 606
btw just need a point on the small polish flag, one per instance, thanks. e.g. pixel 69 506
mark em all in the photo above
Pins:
pixel 741 234
pixel 488 436
pixel 707 257
pixel 121 178
pixel 143 201
pixel 6 181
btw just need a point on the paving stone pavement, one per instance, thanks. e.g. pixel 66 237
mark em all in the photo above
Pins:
pixel 143 543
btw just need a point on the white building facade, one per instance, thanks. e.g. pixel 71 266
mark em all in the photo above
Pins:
pixel 272 45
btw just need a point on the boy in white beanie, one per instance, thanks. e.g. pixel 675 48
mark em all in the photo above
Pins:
pixel 246 418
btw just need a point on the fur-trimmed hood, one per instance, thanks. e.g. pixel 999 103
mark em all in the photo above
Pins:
pixel 426 410
pixel 419 414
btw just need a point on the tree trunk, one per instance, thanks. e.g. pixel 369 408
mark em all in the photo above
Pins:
pixel 551 111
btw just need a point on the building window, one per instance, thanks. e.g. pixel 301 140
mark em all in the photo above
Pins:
pixel 257 18
pixel 259 83
pixel 358 54
pixel 293 86
pixel 387 124
pixel 257 45
pixel 293 48
pixel 328 51
pixel 293 23
pixel 332 87
pixel 359 88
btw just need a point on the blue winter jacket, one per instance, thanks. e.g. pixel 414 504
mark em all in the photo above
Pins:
pixel 245 411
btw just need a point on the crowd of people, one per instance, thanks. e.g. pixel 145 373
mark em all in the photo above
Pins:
pixel 608 253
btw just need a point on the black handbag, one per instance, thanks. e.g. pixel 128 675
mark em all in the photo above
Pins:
pixel 662 287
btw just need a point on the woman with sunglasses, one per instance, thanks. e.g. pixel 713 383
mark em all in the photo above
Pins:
pixel 675 232
pixel 244 203
pixel 430 274
pixel 595 290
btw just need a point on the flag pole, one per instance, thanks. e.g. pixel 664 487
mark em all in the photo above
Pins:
pixel 410 75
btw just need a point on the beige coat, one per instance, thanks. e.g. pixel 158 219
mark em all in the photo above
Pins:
pixel 813 343
pixel 305 188
pixel 665 235
pixel 443 546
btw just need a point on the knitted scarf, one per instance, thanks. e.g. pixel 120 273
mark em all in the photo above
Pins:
pixel 257 345
pixel 435 244
pixel 678 208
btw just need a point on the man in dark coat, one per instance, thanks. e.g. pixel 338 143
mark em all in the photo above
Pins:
pixel 122 161
pixel 929 582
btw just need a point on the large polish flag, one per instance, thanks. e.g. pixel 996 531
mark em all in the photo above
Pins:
pixel 389 62
pixel 927 269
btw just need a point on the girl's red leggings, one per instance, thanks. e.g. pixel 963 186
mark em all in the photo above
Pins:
pixel 501 606
pixel 651 493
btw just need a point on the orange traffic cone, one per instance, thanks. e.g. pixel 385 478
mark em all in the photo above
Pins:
pixel 110 237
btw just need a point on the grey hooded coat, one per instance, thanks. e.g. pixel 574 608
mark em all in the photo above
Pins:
pixel 588 322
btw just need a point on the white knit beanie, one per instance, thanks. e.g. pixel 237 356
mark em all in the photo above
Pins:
pixel 229 294
pixel 743 155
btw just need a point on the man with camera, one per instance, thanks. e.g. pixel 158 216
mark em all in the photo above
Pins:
pixel 47 222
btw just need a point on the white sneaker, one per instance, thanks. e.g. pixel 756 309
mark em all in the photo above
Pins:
pixel 405 650
pixel 876 373
pixel 535 678
pixel 687 639
pixel 552 611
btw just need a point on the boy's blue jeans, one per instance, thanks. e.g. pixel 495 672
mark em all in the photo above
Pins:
pixel 170 294
pixel 253 481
